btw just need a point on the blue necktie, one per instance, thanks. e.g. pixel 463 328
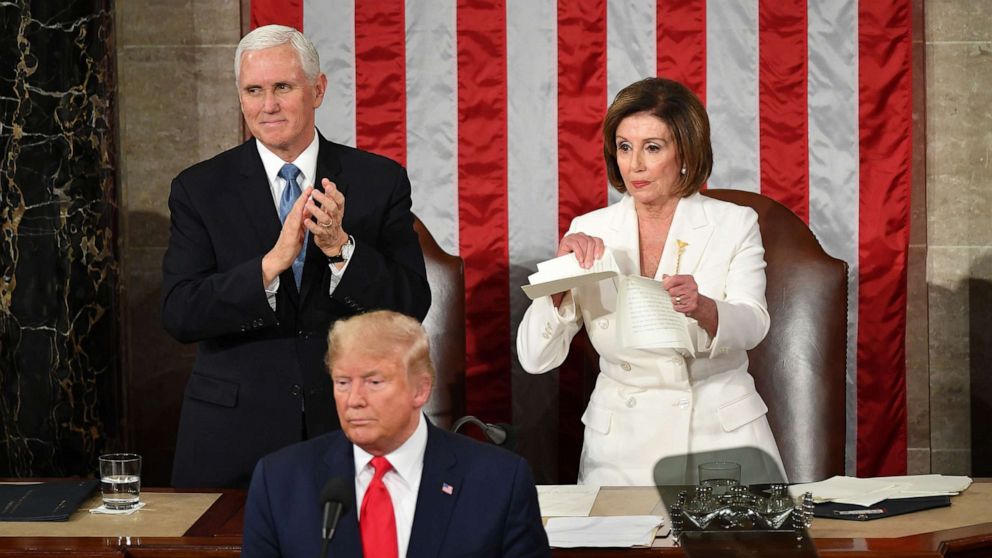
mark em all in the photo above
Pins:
pixel 290 193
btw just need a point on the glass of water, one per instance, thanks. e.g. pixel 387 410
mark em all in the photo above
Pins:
pixel 120 480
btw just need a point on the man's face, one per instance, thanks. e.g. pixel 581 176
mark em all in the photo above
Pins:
pixel 278 100
pixel 377 401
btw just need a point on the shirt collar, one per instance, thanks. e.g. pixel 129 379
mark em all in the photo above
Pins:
pixel 306 161
pixel 407 458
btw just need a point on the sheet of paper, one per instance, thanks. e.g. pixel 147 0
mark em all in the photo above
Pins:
pixel 603 532
pixel 870 491
pixel 566 500
pixel 647 318
pixel 564 272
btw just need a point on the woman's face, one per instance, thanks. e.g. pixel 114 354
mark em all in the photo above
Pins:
pixel 647 158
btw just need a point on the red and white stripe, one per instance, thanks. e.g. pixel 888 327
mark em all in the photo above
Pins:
pixel 495 108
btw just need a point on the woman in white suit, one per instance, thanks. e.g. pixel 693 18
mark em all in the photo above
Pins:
pixel 651 404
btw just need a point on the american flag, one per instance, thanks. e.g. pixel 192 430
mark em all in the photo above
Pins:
pixel 495 108
pixel 447 488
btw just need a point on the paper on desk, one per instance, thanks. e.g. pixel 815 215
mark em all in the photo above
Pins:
pixel 603 532
pixel 564 272
pixel 566 500
pixel 866 492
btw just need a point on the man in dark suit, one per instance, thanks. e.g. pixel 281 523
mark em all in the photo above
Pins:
pixel 265 253
pixel 448 495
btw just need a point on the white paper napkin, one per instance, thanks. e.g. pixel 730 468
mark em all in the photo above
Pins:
pixel 105 510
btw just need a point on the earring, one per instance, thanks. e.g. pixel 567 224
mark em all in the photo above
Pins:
pixel 683 170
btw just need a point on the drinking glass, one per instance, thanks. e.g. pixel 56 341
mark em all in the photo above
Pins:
pixel 120 480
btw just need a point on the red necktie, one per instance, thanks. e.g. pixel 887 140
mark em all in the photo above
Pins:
pixel 377 522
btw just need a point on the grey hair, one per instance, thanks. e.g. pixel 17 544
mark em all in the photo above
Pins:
pixel 269 36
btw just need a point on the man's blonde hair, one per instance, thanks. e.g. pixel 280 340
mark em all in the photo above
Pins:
pixel 382 334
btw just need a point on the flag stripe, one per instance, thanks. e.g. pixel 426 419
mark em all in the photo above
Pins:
pixel 833 159
pixel 283 12
pixel 630 44
pixel 532 187
pixel 885 113
pixel 630 51
pixel 482 207
pixel 782 103
pixel 432 117
pixel 682 43
pixel 732 94
pixel 380 77
pixel 581 107
pixel 330 24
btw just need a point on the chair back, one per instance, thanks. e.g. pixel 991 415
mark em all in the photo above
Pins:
pixel 445 325
pixel 799 368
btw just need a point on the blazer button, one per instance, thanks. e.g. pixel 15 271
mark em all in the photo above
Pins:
pixel 604 324
pixel 625 366
pixel 631 403
pixel 546 335
pixel 295 390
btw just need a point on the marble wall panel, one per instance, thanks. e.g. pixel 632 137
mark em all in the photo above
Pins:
pixel 179 106
pixel 959 199
pixel 189 22
pixel 958 20
pixel 917 352
pixel 917 316
pixel 959 143
pixel 59 390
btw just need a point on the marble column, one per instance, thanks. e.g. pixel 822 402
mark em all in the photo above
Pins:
pixel 58 269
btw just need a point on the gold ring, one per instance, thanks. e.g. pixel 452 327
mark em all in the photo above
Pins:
pixel 678 300
pixel 327 225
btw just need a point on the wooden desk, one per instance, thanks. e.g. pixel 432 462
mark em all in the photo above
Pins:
pixel 961 531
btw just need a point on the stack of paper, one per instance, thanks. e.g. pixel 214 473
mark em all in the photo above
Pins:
pixel 866 492
pixel 564 272
pixel 566 500
pixel 602 532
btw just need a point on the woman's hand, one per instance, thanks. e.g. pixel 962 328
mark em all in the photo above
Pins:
pixel 687 300
pixel 587 250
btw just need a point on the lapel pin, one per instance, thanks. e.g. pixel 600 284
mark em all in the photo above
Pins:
pixel 680 249
pixel 447 488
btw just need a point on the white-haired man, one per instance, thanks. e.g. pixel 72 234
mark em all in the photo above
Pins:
pixel 270 243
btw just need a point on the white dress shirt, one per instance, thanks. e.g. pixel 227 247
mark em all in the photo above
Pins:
pixel 402 481
pixel 307 163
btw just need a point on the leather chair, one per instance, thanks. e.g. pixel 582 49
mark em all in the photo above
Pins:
pixel 799 368
pixel 445 325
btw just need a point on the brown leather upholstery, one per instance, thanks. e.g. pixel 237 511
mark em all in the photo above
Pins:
pixel 445 325
pixel 799 368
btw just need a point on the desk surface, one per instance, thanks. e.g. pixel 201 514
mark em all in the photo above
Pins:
pixel 964 529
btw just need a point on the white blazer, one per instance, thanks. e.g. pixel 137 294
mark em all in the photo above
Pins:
pixel 652 404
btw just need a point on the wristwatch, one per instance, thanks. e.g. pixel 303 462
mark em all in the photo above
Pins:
pixel 346 250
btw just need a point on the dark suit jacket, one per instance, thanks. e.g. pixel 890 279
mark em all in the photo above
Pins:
pixel 491 512
pixel 257 368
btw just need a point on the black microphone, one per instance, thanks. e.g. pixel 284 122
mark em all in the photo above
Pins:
pixel 338 493
pixel 499 434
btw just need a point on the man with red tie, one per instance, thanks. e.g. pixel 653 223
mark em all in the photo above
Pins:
pixel 418 490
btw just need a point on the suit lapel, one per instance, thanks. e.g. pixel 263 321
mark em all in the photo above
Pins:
pixel 339 461
pixel 315 267
pixel 256 197
pixel 440 487
pixel 625 241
